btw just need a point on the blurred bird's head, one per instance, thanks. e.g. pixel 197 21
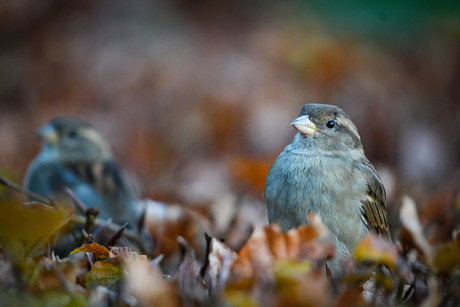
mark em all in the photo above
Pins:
pixel 73 140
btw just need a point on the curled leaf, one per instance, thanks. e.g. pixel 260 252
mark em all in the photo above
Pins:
pixel 412 235
pixel 220 259
pixel 99 251
pixel 270 244
pixel 127 254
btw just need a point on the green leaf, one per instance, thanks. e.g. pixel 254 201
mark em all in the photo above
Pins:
pixel 104 273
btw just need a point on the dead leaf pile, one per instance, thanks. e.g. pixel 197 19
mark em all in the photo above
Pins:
pixel 189 265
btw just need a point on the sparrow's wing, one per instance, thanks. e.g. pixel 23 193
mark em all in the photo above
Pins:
pixel 101 185
pixel 50 180
pixel 374 212
pixel 104 177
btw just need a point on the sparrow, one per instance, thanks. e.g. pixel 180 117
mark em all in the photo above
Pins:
pixel 75 156
pixel 324 171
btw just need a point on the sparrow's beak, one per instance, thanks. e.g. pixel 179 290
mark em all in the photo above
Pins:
pixel 304 125
pixel 48 134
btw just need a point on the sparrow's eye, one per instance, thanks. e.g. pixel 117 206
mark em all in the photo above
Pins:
pixel 330 124
pixel 73 134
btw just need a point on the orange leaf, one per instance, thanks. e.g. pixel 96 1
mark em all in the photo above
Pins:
pixel 270 244
pixel 99 251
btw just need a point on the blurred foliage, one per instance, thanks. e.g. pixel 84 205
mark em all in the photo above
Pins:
pixel 26 229
pixel 272 267
pixel 196 98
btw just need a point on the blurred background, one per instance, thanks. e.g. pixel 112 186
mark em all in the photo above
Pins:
pixel 196 96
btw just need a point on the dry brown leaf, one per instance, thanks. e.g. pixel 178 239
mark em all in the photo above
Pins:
pixel 189 279
pixel 168 222
pixel 412 235
pixel 127 254
pixel 220 259
pixel 270 244
pixel 52 275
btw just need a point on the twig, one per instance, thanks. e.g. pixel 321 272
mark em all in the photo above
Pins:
pixel 75 199
pixel 16 187
pixel 113 239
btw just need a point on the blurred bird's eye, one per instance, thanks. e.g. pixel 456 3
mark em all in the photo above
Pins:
pixel 330 124
pixel 73 134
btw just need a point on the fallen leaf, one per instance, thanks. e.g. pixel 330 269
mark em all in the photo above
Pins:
pixel 376 249
pixel 166 223
pixel 220 259
pixel 104 273
pixel 126 254
pixel 52 275
pixel 189 279
pixel 25 229
pixel 270 244
pixel 448 256
pixel 412 235
pixel 99 251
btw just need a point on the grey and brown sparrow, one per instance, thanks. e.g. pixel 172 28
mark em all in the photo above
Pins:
pixel 324 171
pixel 76 156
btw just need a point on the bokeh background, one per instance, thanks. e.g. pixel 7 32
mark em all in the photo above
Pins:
pixel 196 96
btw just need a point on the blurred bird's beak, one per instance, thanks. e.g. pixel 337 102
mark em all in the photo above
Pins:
pixel 304 125
pixel 48 134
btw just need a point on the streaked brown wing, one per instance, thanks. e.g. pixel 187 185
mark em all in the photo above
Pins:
pixel 374 211
pixel 105 177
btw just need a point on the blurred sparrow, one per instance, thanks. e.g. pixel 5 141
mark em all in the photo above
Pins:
pixel 75 155
pixel 324 171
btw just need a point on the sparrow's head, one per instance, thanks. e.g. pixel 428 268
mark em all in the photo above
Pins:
pixel 326 127
pixel 71 140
